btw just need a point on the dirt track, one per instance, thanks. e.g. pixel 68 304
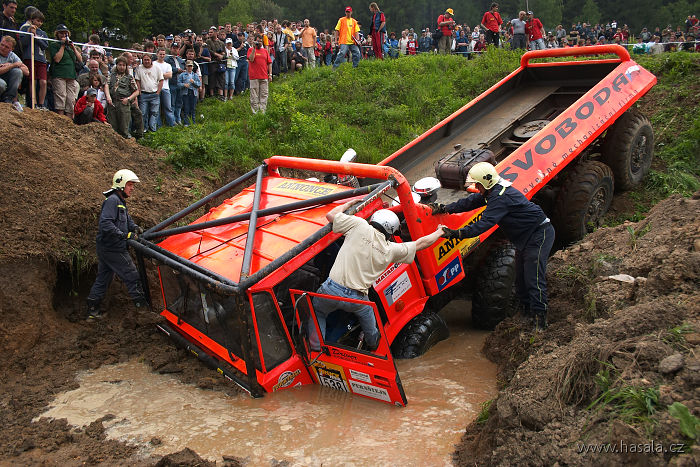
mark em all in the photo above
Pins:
pixel 52 179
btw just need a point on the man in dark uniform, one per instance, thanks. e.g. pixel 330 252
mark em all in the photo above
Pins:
pixel 115 227
pixel 525 225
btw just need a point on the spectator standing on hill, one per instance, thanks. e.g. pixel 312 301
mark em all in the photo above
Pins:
pixel 308 43
pixel 403 43
pixel 446 25
pixel 259 73
pixel 115 227
pixel 242 77
pixel 281 42
pixel 150 81
pixel 178 66
pixel 85 79
pixel 535 31
pixel 7 21
pixel 346 35
pixel 165 98
pixel 63 56
pixel 123 89
pixel 377 30
pixel 189 83
pixel 425 43
pixel 231 67
pixel 519 37
pixel 33 25
pixel 491 23
pixel 11 71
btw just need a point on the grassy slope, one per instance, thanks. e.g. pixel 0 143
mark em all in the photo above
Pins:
pixel 381 106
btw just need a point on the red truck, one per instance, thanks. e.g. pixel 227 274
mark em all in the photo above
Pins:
pixel 237 282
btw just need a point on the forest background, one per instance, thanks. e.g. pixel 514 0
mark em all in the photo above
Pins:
pixel 122 21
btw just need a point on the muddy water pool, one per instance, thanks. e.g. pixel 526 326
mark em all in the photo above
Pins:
pixel 311 425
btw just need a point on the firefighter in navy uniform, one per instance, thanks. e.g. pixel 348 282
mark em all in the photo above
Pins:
pixel 115 227
pixel 525 225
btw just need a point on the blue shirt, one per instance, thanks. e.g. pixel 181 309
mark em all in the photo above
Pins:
pixel 517 216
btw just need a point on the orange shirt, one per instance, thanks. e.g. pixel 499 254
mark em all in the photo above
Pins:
pixel 347 28
pixel 308 37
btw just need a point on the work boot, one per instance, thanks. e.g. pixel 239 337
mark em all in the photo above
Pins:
pixel 93 309
pixel 540 320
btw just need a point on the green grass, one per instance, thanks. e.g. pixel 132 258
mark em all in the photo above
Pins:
pixel 485 412
pixel 383 105
pixel 375 109
pixel 632 404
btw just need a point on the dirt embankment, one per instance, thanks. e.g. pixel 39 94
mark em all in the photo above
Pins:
pixel 52 176
pixel 632 340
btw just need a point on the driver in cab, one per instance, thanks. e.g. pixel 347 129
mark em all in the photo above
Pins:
pixel 366 253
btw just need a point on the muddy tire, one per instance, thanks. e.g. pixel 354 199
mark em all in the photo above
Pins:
pixel 583 200
pixel 629 149
pixel 421 333
pixel 492 300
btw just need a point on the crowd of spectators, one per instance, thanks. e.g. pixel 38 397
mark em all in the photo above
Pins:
pixel 160 80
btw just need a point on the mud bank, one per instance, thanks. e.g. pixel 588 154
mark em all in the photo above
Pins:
pixel 624 331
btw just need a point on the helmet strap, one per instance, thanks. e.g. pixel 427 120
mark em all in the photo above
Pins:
pixel 381 230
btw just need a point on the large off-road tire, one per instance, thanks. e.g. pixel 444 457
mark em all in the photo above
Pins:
pixel 583 200
pixel 492 300
pixel 629 148
pixel 421 333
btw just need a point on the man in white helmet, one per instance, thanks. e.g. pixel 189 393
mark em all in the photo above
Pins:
pixel 366 253
pixel 522 221
pixel 115 227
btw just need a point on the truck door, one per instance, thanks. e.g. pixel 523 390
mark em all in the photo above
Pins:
pixel 340 366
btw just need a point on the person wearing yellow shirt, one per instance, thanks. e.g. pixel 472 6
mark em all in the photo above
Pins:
pixel 346 37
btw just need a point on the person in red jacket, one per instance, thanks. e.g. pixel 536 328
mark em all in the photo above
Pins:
pixel 491 23
pixel 88 109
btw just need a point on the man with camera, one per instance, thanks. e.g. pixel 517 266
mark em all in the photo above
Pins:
pixel 446 24
pixel 259 72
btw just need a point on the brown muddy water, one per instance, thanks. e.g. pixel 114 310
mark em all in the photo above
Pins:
pixel 310 425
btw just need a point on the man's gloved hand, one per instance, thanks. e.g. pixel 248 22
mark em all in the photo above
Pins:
pixel 437 208
pixel 451 233
pixel 139 229
pixel 132 236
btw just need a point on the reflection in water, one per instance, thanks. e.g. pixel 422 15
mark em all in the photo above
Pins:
pixel 306 426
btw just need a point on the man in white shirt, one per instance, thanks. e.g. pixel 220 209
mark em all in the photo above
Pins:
pixel 165 98
pixel 366 253
pixel 149 79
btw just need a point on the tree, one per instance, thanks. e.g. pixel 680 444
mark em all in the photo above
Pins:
pixel 590 13
pixel 235 11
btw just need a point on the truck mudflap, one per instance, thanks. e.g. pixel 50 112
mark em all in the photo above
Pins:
pixel 340 366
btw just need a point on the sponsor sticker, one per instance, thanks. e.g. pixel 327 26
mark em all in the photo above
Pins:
pixel 331 376
pixel 449 272
pixel 305 188
pixel 397 288
pixel 444 249
pixel 354 374
pixel 370 391
pixel 286 379
pixel 392 267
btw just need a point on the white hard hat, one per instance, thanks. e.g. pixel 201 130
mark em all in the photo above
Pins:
pixel 483 173
pixel 121 177
pixel 387 219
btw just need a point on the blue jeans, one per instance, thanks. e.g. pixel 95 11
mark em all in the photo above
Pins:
pixel 176 103
pixel 166 105
pixel 189 104
pixel 340 58
pixel 242 77
pixel 230 78
pixel 324 306
pixel 9 82
pixel 149 103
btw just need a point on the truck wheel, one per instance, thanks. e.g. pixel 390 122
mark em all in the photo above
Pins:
pixel 421 333
pixel 629 148
pixel 492 300
pixel 583 200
